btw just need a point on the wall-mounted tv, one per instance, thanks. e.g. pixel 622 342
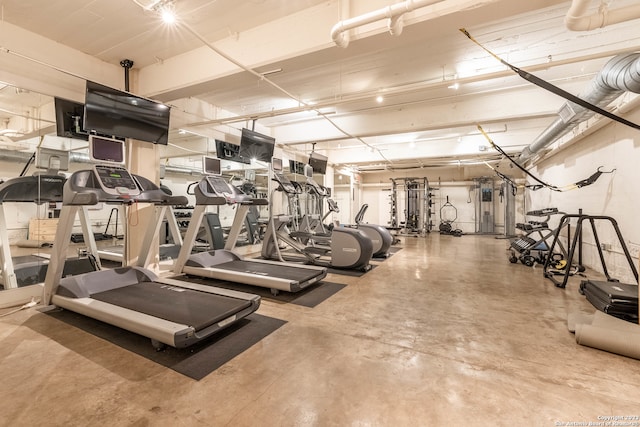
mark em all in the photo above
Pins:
pixel 318 162
pixel 254 145
pixel 110 111
pixel 69 119
pixel 228 151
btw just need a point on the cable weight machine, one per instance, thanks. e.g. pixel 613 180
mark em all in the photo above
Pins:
pixel 418 203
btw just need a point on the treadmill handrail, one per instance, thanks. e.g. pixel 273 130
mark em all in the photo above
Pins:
pixel 83 189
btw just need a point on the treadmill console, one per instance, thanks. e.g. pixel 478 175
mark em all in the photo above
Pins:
pixel 284 182
pixel 116 180
pixel 220 187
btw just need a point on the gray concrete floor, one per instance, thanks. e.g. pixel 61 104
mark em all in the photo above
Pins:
pixel 445 332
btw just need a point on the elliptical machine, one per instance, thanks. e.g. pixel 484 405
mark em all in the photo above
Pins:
pixel 380 237
pixel 345 248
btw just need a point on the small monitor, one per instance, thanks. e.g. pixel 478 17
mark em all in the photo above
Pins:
pixel 308 171
pixel 50 159
pixel 106 150
pixel 211 166
pixel 276 164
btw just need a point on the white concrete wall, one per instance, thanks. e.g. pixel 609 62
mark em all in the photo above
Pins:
pixel 615 195
pixel 456 183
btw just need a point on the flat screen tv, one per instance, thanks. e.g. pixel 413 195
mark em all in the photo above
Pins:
pixel 109 150
pixel 254 145
pixel 69 119
pixel 228 151
pixel 319 163
pixel 109 111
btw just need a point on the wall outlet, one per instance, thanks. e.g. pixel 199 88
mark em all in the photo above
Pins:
pixel 605 246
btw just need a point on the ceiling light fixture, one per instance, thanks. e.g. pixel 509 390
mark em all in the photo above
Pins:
pixel 168 15
pixel 163 7
pixel 379 99
pixel 454 86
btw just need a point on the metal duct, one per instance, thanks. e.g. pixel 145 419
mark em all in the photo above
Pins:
pixel 14 156
pixel 621 74
pixel 24 156
pixel 76 157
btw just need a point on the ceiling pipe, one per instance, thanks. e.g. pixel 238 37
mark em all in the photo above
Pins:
pixel 577 19
pixel 621 74
pixel 393 13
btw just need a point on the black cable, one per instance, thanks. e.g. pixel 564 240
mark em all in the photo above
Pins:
pixel 554 89
pixel 582 183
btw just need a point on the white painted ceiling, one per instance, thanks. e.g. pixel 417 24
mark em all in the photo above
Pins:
pixel 422 120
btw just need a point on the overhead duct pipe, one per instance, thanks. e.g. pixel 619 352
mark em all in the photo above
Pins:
pixel 394 14
pixel 14 156
pixel 577 19
pixel 621 74
pixel 24 156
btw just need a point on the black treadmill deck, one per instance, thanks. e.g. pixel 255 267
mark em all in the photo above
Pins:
pixel 291 273
pixel 180 305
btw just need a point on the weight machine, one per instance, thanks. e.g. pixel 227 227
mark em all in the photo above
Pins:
pixel 494 203
pixel 418 203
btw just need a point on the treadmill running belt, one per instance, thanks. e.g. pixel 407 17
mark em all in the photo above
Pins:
pixel 287 272
pixel 179 305
pixel 24 259
pixel 164 252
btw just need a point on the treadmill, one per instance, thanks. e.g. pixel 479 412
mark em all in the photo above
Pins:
pixel 170 312
pixel 20 273
pixel 224 264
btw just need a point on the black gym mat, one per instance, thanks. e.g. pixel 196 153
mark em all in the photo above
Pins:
pixel 196 361
pixel 352 273
pixel 307 297
pixel 392 250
